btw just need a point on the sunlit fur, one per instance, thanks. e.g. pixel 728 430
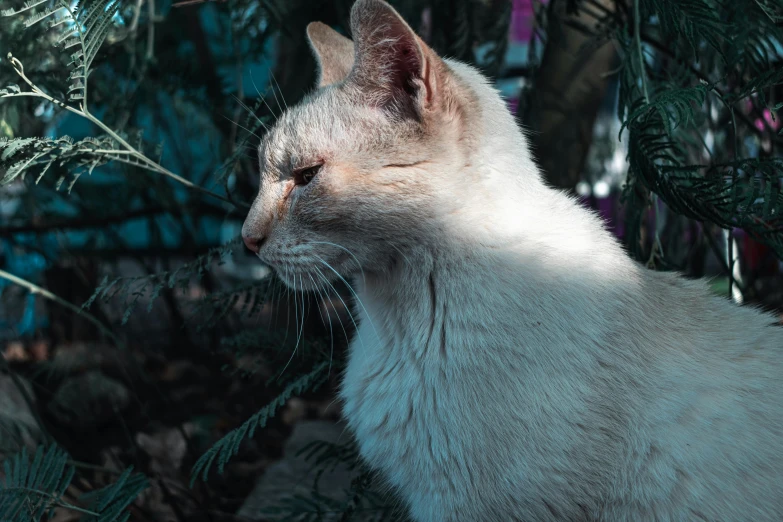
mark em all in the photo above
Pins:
pixel 511 363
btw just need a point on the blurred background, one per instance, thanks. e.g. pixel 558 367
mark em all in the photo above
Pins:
pixel 136 330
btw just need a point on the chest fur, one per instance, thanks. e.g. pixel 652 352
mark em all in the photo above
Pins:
pixel 448 417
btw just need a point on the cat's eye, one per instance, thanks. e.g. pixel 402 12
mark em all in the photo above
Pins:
pixel 306 175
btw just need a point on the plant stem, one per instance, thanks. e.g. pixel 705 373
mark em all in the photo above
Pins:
pixel 37 290
pixel 148 163
pixel 637 35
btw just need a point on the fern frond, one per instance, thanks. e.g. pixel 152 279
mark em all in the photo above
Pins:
pixel 771 9
pixel 37 17
pixel 228 446
pixel 85 26
pixel 67 37
pixel 744 193
pixel 138 287
pixel 112 501
pixel 695 21
pixel 41 152
pixel 30 490
pixel 95 33
pixel 10 89
pixel 675 106
pixel 13 146
pixel 30 4
pixel 247 299
pixel 758 84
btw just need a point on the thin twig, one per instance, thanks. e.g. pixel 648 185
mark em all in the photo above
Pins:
pixel 637 36
pixel 637 23
pixel 151 31
pixel 194 2
pixel 136 15
pixel 37 290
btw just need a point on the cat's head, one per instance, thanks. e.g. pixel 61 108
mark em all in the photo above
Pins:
pixel 352 176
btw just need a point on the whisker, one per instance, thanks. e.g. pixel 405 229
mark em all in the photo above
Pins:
pixel 304 309
pixel 253 81
pixel 251 112
pixel 358 299
pixel 274 93
pixel 350 315
pixel 263 97
pixel 296 312
pixel 323 320
pixel 298 337
pixel 331 333
pixel 402 254
pixel 358 265
pixel 275 291
pixel 241 127
pixel 287 308
pixel 272 75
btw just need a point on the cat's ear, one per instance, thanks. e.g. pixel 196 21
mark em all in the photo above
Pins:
pixel 333 52
pixel 394 67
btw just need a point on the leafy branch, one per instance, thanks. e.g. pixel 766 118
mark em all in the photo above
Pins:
pixel 37 290
pixel 31 490
pixel 86 28
pixel 229 445
pixel 137 287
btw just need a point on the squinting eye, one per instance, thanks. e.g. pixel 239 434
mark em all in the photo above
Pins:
pixel 306 175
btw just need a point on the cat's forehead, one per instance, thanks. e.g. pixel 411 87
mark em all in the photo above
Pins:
pixel 311 116
pixel 326 119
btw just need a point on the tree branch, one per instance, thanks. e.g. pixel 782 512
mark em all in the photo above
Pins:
pixel 102 221
pixel 37 290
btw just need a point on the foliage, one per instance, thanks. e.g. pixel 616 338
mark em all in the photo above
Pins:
pixel 32 489
pixel 695 58
pixel 138 88
pixel 228 446
pixel 136 287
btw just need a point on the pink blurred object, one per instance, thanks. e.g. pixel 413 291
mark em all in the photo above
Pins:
pixel 522 20
pixel 773 124
pixel 513 104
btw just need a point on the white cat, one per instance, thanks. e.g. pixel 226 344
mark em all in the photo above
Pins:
pixel 511 363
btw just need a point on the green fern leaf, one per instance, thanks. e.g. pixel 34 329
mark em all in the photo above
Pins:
pixel 31 489
pixel 86 27
pixel 229 445
pixel 674 106
pixel 35 18
pixel 14 146
pixel 113 500
pixel 30 4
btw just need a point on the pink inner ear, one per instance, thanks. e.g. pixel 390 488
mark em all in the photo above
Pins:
pixel 391 63
pixel 407 69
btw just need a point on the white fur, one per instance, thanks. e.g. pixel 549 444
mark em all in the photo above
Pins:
pixel 512 363
pixel 573 383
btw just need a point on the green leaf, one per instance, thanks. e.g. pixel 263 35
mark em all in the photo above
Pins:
pixel 229 445
pixel 32 488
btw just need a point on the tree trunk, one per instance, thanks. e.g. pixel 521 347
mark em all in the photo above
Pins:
pixel 567 93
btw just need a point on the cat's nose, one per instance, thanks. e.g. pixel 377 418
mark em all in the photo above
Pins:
pixel 253 243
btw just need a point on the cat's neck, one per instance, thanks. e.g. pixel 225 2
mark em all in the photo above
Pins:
pixel 502 221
